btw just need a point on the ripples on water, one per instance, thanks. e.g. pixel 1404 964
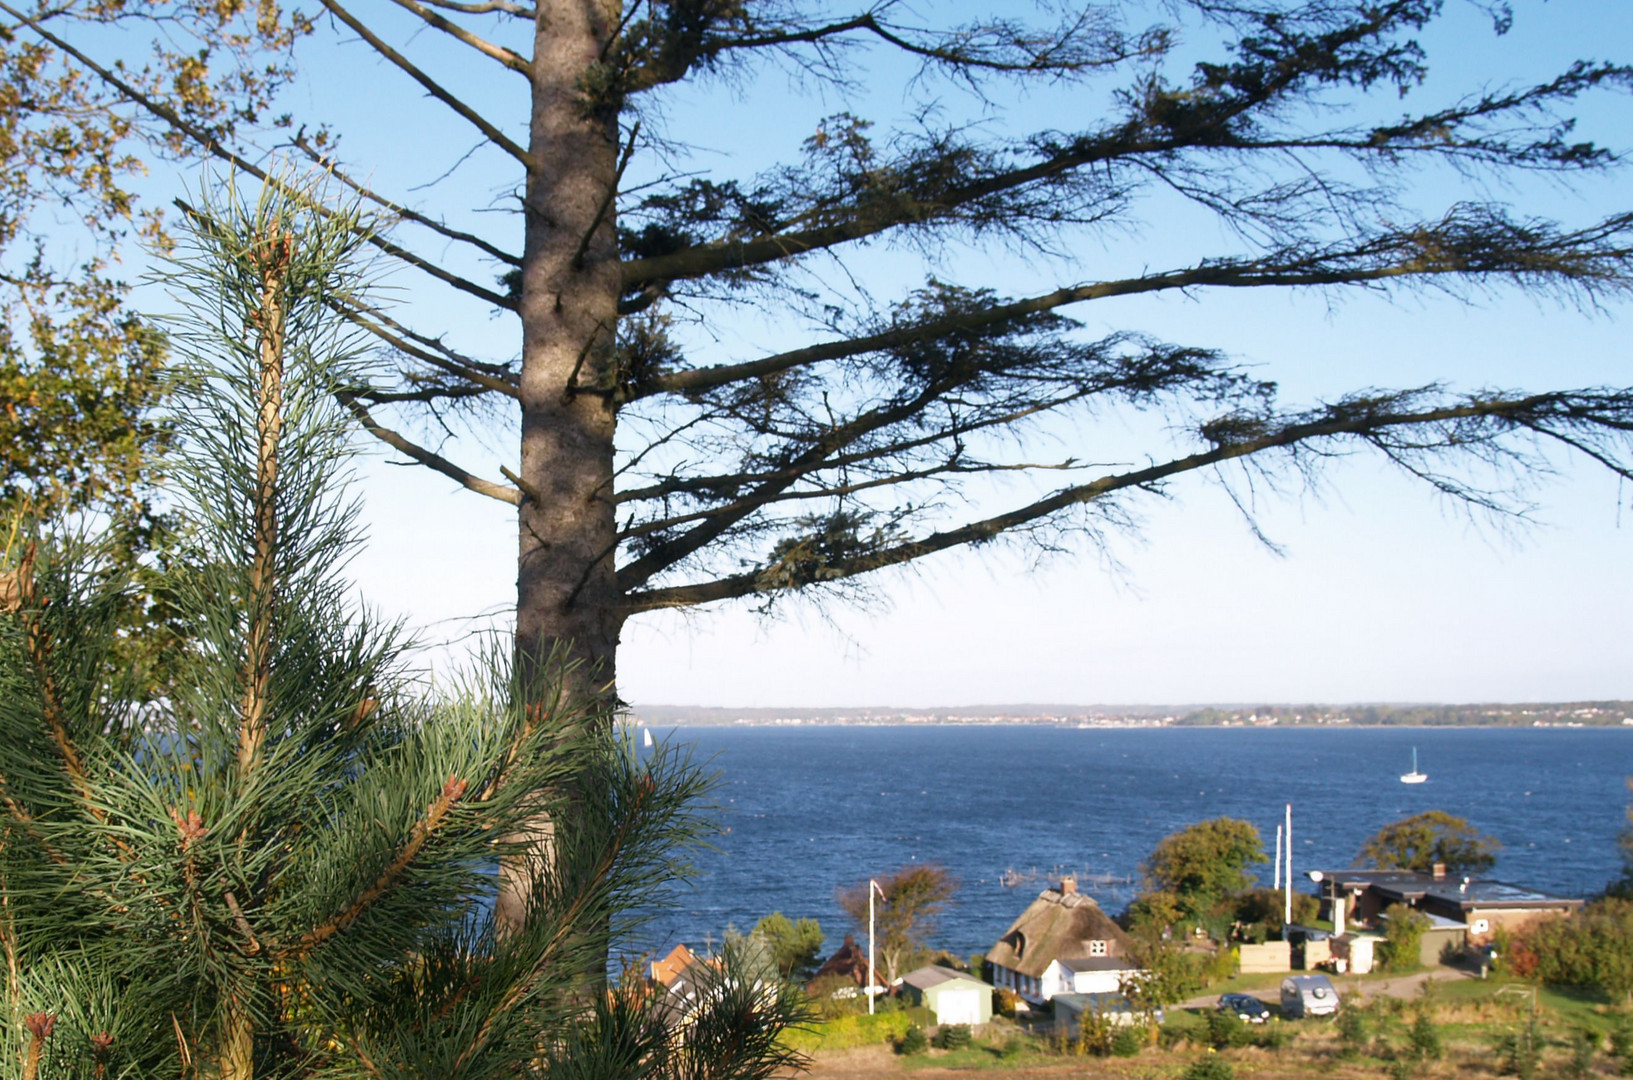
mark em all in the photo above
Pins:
pixel 811 809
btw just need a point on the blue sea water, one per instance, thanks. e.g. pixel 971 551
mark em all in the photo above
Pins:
pixel 808 810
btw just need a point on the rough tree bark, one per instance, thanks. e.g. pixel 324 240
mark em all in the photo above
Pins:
pixel 567 588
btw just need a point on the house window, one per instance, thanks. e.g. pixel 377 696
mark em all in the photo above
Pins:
pixel 1097 948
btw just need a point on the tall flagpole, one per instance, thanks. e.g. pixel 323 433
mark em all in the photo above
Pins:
pixel 1275 882
pixel 873 887
pixel 1287 896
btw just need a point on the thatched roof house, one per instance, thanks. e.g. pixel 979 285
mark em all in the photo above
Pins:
pixel 1061 943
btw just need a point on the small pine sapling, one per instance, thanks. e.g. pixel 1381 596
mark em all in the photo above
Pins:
pixel 287 865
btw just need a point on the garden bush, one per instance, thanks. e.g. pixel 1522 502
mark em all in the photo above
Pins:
pixel 1354 1030
pixel 953 1036
pixel 1005 1002
pixel 1128 1041
pixel 1521 1051
pixel 1425 1038
pixel 1225 1030
pixel 842 1033
pixel 1584 1048
pixel 1209 1068
pixel 913 1041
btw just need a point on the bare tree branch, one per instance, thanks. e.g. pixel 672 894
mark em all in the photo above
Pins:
pixel 507 57
pixel 428 458
pixel 332 168
pixel 435 89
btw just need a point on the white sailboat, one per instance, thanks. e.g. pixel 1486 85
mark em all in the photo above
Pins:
pixel 1414 777
pixel 646 736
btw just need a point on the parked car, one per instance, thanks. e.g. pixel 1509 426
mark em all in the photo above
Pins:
pixel 1248 1009
pixel 1308 995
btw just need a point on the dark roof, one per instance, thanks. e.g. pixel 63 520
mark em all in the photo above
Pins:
pixel 1097 963
pixel 1411 886
pixel 851 960
pixel 1495 894
pixel 1056 925
pixel 1097 1003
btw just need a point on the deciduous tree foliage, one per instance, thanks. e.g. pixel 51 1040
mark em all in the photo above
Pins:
pixel 1434 836
pixel 1205 863
pixel 1403 937
pixel 80 373
pixel 1594 947
pixel 1623 886
pixel 658 468
pixel 793 944
pixel 906 918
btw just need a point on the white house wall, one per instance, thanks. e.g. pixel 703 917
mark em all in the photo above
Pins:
pixel 1097 982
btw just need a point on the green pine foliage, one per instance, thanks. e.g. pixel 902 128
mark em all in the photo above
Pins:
pixel 1209 1068
pixel 1424 1036
pixel 287 864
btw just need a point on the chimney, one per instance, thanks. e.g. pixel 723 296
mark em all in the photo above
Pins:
pixel 1068 885
pixel 1438 870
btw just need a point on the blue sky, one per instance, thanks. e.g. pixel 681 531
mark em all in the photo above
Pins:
pixel 1381 593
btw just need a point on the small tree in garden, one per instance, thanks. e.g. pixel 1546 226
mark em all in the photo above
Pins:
pixel 793 943
pixel 1403 937
pixel 905 919
pixel 286 866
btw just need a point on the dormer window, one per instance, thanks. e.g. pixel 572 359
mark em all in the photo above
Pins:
pixel 1097 948
pixel 1020 944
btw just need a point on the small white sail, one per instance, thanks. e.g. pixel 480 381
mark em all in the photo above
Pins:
pixel 646 736
pixel 1414 777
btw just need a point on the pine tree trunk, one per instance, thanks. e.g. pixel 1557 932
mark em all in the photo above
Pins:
pixel 566 589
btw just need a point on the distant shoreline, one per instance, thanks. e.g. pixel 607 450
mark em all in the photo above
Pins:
pixel 1580 714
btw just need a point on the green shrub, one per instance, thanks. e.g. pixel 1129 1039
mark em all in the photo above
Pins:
pixel 1005 1001
pixel 1225 1030
pixel 920 1015
pixel 1270 1036
pixel 1180 1026
pixel 953 1036
pixel 1403 937
pixel 1013 1047
pixel 1594 947
pixel 1425 1038
pixel 1584 1047
pixel 1521 1052
pixel 1353 1029
pixel 913 1041
pixel 844 1032
pixel 1209 1068
pixel 1094 1036
pixel 1621 1046
pixel 834 996
pixel 1128 1041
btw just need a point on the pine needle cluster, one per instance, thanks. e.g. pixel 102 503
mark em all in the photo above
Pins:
pixel 287 866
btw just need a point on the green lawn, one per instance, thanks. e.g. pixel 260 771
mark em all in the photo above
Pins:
pixel 1582 1007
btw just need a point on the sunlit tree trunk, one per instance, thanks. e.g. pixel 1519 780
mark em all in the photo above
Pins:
pixel 567 591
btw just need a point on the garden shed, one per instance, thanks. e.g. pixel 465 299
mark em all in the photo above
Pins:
pixel 955 997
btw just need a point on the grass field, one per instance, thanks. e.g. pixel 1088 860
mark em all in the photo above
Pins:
pixel 1477 1025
